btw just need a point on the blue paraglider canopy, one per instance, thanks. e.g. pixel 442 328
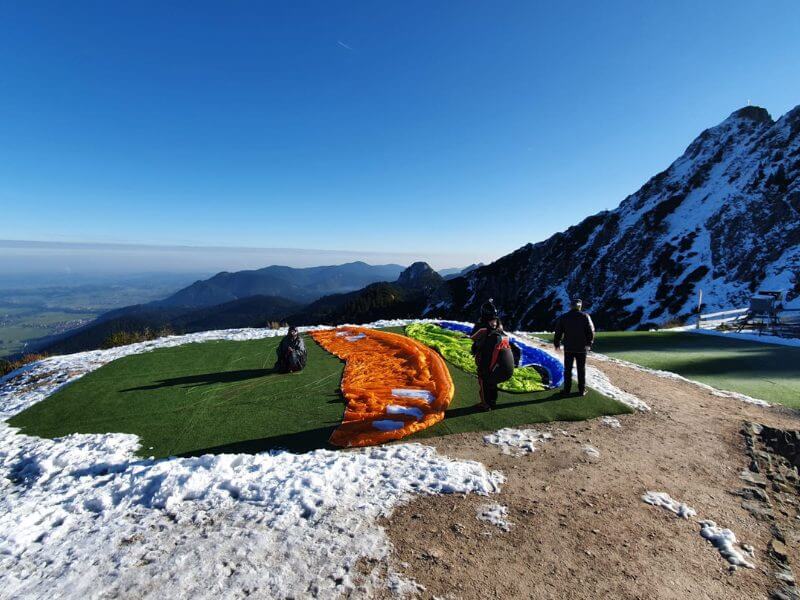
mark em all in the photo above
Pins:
pixel 531 356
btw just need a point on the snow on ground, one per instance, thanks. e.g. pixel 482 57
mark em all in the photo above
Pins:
pixel 595 378
pixel 664 500
pixel 402 587
pixel 750 337
pixel 517 442
pixel 496 514
pixel 612 422
pixel 591 451
pixel 83 516
pixel 671 375
pixel 724 540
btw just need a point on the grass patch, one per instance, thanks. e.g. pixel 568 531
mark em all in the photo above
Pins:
pixel 766 371
pixel 211 397
pixel 224 397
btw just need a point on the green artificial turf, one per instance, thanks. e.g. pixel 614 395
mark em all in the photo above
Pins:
pixel 224 397
pixel 456 348
pixel 215 396
pixel 766 371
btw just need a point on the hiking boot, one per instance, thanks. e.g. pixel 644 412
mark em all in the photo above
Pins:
pixel 483 407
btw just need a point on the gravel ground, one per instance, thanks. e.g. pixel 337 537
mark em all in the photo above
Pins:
pixel 579 528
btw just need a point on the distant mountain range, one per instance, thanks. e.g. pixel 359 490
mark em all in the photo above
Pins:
pixel 453 273
pixel 404 298
pixel 241 299
pixel 299 285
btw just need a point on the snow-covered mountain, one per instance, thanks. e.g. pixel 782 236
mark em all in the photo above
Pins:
pixel 724 218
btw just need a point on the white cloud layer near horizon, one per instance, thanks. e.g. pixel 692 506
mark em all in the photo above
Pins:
pixel 19 257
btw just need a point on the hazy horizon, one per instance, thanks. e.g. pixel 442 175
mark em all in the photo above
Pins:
pixel 30 257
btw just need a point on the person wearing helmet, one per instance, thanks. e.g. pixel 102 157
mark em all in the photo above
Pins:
pixel 576 330
pixel 488 312
pixel 291 353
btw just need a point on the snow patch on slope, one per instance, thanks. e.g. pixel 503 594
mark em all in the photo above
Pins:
pixel 517 442
pixel 665 501
pixel 496 514
pixel 83 516
pixel 724 540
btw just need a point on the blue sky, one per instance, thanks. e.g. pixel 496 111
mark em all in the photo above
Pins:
pixel 455 131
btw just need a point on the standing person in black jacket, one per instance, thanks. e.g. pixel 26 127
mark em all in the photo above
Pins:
pixel 576 329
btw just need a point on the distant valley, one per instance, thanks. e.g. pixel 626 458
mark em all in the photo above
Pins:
pixel 45 305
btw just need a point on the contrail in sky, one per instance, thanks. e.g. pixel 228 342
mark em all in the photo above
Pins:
pixel 343 45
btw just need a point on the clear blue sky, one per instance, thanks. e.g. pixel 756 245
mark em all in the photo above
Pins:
pixel 375 126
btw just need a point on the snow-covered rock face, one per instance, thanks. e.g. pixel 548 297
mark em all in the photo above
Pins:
pixel 84 517
pixel 724 218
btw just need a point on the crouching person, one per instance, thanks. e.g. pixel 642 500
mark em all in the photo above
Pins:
pixel 495 359
pixel 292 353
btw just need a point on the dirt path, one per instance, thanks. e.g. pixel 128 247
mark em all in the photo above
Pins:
pixel 580 528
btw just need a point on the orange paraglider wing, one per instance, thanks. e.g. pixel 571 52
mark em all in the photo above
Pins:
pixel 392 385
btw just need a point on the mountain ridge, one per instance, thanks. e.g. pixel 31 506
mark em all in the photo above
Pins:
pixel 298 284
pixel 724 217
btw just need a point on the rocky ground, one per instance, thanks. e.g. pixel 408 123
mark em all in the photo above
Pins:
pixel 579 527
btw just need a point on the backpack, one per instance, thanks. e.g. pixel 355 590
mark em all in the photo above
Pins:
pixel 494 355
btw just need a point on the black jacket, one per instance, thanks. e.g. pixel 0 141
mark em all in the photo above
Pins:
pixel 291 353
pixel 482 324
pixel 494 355
pixel 479 331
pixel 576 330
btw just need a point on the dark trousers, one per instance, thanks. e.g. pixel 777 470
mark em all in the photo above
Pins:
pixel 579 358
pixel 488 390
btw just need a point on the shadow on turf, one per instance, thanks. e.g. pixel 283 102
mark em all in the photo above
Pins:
pixel 463 411
pixel 302 441
pixel 207 379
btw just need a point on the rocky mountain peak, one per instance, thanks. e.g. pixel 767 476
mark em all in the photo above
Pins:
pixel 752 113
pixel 419 275
pixel 723 218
